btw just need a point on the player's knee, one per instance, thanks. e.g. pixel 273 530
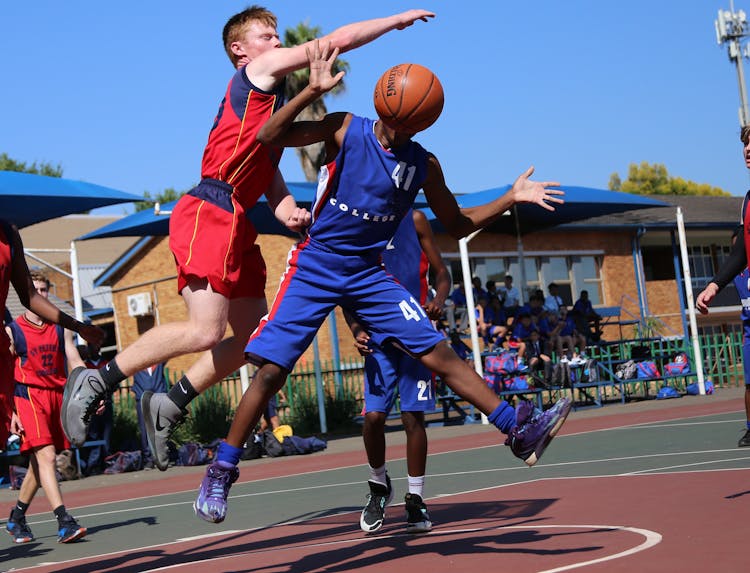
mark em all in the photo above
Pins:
pixel 206 337
pixel 271 378
pixel 412 421
pixel 375 420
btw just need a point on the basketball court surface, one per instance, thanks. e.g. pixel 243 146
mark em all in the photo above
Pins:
pixel 651 486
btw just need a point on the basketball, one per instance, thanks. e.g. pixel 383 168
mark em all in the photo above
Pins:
pixel 408 98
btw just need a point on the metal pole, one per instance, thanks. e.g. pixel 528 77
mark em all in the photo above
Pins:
pixel 319 387
pixel 77 301
pixel 690 303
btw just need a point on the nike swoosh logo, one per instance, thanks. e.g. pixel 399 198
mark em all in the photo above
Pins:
pixel 390 246
pixel 182 388
pixel 158 425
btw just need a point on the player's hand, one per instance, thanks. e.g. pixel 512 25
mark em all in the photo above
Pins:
pixel 321 59
pixel 527 191
pixel 92 334
pixel 362 343
pixel 299 220
pixel 434 309
pixel 16 427
pixel 705 297
pixel 407 18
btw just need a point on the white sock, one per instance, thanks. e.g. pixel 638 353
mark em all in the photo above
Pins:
pixel 416 485
pixel 378 474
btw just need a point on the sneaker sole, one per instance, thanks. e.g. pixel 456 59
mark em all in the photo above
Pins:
pixel 20 540
pixel 421 527
pixel 149 423
pixel 371 528
pixel 67 394
pixel 536 456
pixel 205 517
pixel 75 537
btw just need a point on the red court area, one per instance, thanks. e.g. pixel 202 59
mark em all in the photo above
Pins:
pixel 685 521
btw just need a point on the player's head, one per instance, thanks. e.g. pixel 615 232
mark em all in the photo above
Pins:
pixel 389 137
pixel 745 139
pixel 41 282
pixel 249 33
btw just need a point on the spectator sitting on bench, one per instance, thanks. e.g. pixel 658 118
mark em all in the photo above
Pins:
pixel 522 330
pixel 537 359
pixel 568 336
pixel 586 316
pixel 488 330
pixel 511 297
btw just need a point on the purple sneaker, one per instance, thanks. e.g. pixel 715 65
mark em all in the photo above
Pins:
pixel 535 429
pixel 211 504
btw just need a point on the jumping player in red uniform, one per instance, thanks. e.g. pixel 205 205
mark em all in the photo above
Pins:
pixel 221 274
pixel 358 207
pixel 42 349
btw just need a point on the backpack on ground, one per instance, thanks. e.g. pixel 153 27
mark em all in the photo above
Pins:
pixel 679 365
pixel 194 454
pixel 666 392
pixel 647 369
pixel 121 462
pixel 296 445
pixel 561 376
pixel 627 370
pixel 590 371
pixel 271 445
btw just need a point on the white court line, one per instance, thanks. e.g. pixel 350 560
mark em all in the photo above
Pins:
pixel 644 472
pixel 651 538
pixel 432 476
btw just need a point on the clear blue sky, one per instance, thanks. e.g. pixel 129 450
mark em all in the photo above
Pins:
pixel 123 94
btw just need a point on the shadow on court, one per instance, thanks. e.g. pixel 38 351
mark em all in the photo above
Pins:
pixel 332 540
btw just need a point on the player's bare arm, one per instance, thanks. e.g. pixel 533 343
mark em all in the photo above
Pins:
pixel 433 308
pixel 20 278
pixel 266 70
pixel 461 222
pixel 284 206
pixel 705 297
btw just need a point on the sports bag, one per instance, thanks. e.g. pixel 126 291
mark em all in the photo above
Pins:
pixel 627 370
pixel 647 369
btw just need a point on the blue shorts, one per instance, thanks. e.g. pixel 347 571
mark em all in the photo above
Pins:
pixel 388 368
pixel 746 358
pixel 315 282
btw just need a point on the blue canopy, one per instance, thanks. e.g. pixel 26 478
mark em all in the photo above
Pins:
pixel 146 223
pixel 580 203
pixel 26 199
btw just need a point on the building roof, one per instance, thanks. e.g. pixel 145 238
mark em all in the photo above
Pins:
pixel 16 309
pixel 698 211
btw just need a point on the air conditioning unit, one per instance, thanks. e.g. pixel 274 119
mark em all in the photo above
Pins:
pixel 140 304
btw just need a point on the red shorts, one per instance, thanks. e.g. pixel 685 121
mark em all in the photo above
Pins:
pixel 209 242
pixel 6 394
pixel 39 411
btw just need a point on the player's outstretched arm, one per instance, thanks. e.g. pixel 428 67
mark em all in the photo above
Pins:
pixel 268 68
pixel 21 280
pixel 284 206
pixel 460 222
pixel 282 131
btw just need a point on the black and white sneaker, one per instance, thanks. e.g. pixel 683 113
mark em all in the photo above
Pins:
pixel 417 518
pixel 374 512
pixel 744 440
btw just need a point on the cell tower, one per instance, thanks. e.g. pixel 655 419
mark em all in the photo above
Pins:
pixel 732 29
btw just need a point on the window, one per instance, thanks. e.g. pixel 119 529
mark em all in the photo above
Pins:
pixel 573 273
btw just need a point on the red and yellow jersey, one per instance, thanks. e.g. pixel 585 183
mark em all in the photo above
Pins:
pixel 41 353
pixel 233 154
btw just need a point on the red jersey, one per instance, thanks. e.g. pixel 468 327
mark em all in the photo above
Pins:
pixel 233 154
pixel 41 353
pixel 6 258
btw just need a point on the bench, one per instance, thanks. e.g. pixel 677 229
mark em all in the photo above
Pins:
pixel 612 316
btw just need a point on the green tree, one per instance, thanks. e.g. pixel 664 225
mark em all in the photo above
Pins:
pixel 647 179
pixel 9 164
pixel 169 194
pixel 311 156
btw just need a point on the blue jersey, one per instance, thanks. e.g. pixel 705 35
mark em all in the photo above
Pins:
pixel 365 191
pixel 404 258
pixel 743 291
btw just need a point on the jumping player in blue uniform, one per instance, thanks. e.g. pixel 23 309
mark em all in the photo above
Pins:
pixel 407 257
pixel 368 185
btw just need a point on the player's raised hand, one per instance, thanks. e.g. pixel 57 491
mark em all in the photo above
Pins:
pixel 407 18
pixel 527 191
pixel 321 59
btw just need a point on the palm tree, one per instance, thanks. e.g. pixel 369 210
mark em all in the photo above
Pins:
pixel 311 156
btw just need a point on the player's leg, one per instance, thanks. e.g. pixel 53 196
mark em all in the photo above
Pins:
pixel 745 439
pixel 163 412
pixel 529 430
pixel 381 377
pixel 16 526
pixel 204 328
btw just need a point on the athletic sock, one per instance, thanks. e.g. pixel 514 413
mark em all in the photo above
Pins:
pixel 111 375
pixel 228 456
pixel 19 510
pixel 378 474
pixel 182 393
pixel 503 417
pixel 416 485
pixel 60 512
pixel 748 425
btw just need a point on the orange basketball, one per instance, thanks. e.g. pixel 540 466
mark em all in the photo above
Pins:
pixel 408 98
